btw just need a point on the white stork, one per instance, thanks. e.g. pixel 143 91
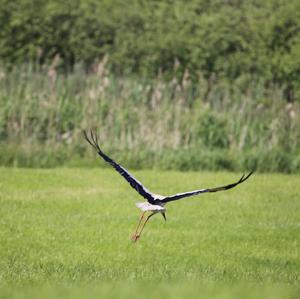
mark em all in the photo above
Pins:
pixel 155 203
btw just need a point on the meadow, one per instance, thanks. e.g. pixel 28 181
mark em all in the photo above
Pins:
pixel 66 233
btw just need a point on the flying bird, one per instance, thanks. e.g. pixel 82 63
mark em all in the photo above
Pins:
pixel 155 203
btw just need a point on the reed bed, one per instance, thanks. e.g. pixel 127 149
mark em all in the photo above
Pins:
pixel 204 123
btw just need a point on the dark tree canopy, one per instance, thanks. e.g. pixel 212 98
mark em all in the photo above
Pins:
pixel 228 38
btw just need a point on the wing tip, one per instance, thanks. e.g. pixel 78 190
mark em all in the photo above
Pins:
pixel 92 139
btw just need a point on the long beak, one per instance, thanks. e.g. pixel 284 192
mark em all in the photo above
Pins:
pixel 164 215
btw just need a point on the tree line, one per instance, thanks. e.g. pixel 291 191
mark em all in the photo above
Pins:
pixel 253 40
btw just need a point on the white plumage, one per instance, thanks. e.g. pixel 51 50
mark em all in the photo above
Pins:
pixel 146 206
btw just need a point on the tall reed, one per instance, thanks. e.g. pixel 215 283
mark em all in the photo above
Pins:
pixel 204 124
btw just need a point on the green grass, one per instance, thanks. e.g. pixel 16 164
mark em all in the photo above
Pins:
pixel 66 232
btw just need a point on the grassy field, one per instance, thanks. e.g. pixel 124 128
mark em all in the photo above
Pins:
pixel 66 232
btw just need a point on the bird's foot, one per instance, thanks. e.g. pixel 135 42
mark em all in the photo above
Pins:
pixel 134 238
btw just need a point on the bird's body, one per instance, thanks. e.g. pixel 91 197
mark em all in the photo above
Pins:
pixel 155 203
pixel 146 206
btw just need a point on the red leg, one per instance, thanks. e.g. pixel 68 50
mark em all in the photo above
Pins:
pixel 137 236
pixel 141 218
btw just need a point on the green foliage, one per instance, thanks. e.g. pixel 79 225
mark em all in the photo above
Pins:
pixel 170 84
pixel 67 229
pixel 252 39
pixel 145 123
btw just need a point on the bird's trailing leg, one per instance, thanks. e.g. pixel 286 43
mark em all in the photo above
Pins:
pixel 137 236
pixel 136 230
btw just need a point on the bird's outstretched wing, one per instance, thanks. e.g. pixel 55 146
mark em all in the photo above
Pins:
pixel 195 192
pixel 134 183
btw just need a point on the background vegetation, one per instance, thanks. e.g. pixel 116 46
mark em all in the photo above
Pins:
pixel 146 123
pixel 228 38
pixel 171 84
